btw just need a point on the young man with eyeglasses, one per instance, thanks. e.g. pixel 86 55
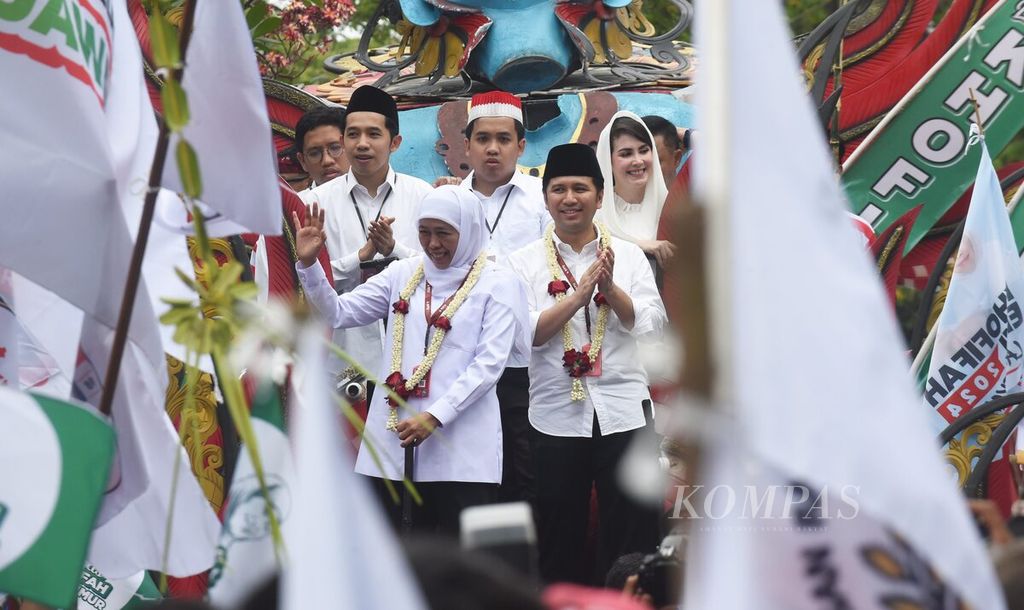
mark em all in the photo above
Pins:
pixel 318 138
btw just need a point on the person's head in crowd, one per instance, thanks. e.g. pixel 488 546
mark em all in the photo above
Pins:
pixel 1009 562
pixel 667 143
pixel 370 134
pixel 627 155
pixel 495 138
pixel 624 567
pixel 573 187
pixel 452 230
pixel 319 143
pixel 632 204
pixel 456 579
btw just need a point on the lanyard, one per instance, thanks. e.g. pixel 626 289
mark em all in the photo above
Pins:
pixel 490 229
pixel 572 282
pixel 428 292
pixel 362 223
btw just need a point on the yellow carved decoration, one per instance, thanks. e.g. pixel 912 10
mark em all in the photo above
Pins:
pixel 618 42
pixel 207 458
pixel 961 454
pixel 221 251
pixel 635 20
pixel 414 36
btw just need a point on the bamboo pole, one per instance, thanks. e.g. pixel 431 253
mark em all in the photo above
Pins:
pixel 131 286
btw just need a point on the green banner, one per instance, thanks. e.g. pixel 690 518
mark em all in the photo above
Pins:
pixel 916 155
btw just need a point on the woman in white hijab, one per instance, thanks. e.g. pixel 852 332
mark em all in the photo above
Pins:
pixel 632 209
pixel 454 317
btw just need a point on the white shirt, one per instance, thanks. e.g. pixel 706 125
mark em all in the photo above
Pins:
pixel 522 221
pixel 617 394
pixel 462 385
pixel 399 196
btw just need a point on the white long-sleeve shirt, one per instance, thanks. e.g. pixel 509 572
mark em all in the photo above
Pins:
pixel 617 394
pixel 400 197
pixel 516 216
pixel 462 381
pixel 523 218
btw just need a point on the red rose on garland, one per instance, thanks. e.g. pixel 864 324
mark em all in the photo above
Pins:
pixel 443 323
pixel 400 306
pixel 600 299
pixel 557 287
pixel 577 362
pixel 396 382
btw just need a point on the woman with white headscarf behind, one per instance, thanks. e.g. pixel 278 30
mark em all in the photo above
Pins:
pixel 632 208
pixel 452 315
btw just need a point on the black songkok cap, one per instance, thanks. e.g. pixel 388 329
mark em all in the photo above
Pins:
pixel 573 160
pixel 371 99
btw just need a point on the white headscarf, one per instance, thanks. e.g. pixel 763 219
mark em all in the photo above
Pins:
pixel 464 211
pixel 632 222
pixel 461 209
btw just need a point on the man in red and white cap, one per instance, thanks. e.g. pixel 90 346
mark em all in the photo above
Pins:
pixel 516 216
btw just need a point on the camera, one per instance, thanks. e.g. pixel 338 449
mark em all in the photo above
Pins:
pixel 351 385
pixel 661 572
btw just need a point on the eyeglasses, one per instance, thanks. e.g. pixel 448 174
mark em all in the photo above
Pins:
pixel 316 154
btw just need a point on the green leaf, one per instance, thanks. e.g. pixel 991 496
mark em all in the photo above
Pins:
pixel 256 13
pixel 188 167
pixel 175 104
pixel 266 26
pixel 164 41
pixel 315 2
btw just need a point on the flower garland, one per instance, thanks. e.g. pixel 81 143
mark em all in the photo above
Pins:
pixel 395 381
pixel 577 363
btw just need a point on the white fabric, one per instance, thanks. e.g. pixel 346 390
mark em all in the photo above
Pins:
pixel 979 342
pixel 617 394
pixel 523 221
pixel 462 385
pixel 345 237
pixel 525 216
pixel 461 211
pixel 494 109
pixel 341 553
pixel 630 221
pixel 231 134
pixel 819 386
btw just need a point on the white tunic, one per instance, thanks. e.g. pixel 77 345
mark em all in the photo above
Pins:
pixel 616 395
pixel 462 385
pixel 400 195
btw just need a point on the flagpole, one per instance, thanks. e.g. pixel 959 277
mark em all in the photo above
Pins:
pixel 131 285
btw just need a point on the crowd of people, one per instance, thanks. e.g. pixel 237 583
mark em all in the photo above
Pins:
pixel 502 314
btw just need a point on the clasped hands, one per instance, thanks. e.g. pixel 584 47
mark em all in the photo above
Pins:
pixel 380 238
pixel 598 275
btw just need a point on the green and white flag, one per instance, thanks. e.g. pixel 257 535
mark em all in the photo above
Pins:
pixel 98 592
pixel 48 503
pixel 918 154
pixel 246 556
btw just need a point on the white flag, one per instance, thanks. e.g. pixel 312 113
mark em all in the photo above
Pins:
pixel 229 127
pixel 246 556
pixel 62 227
pixel 979 342
pixel 821 395
pixel 133 519
pixel 341 552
